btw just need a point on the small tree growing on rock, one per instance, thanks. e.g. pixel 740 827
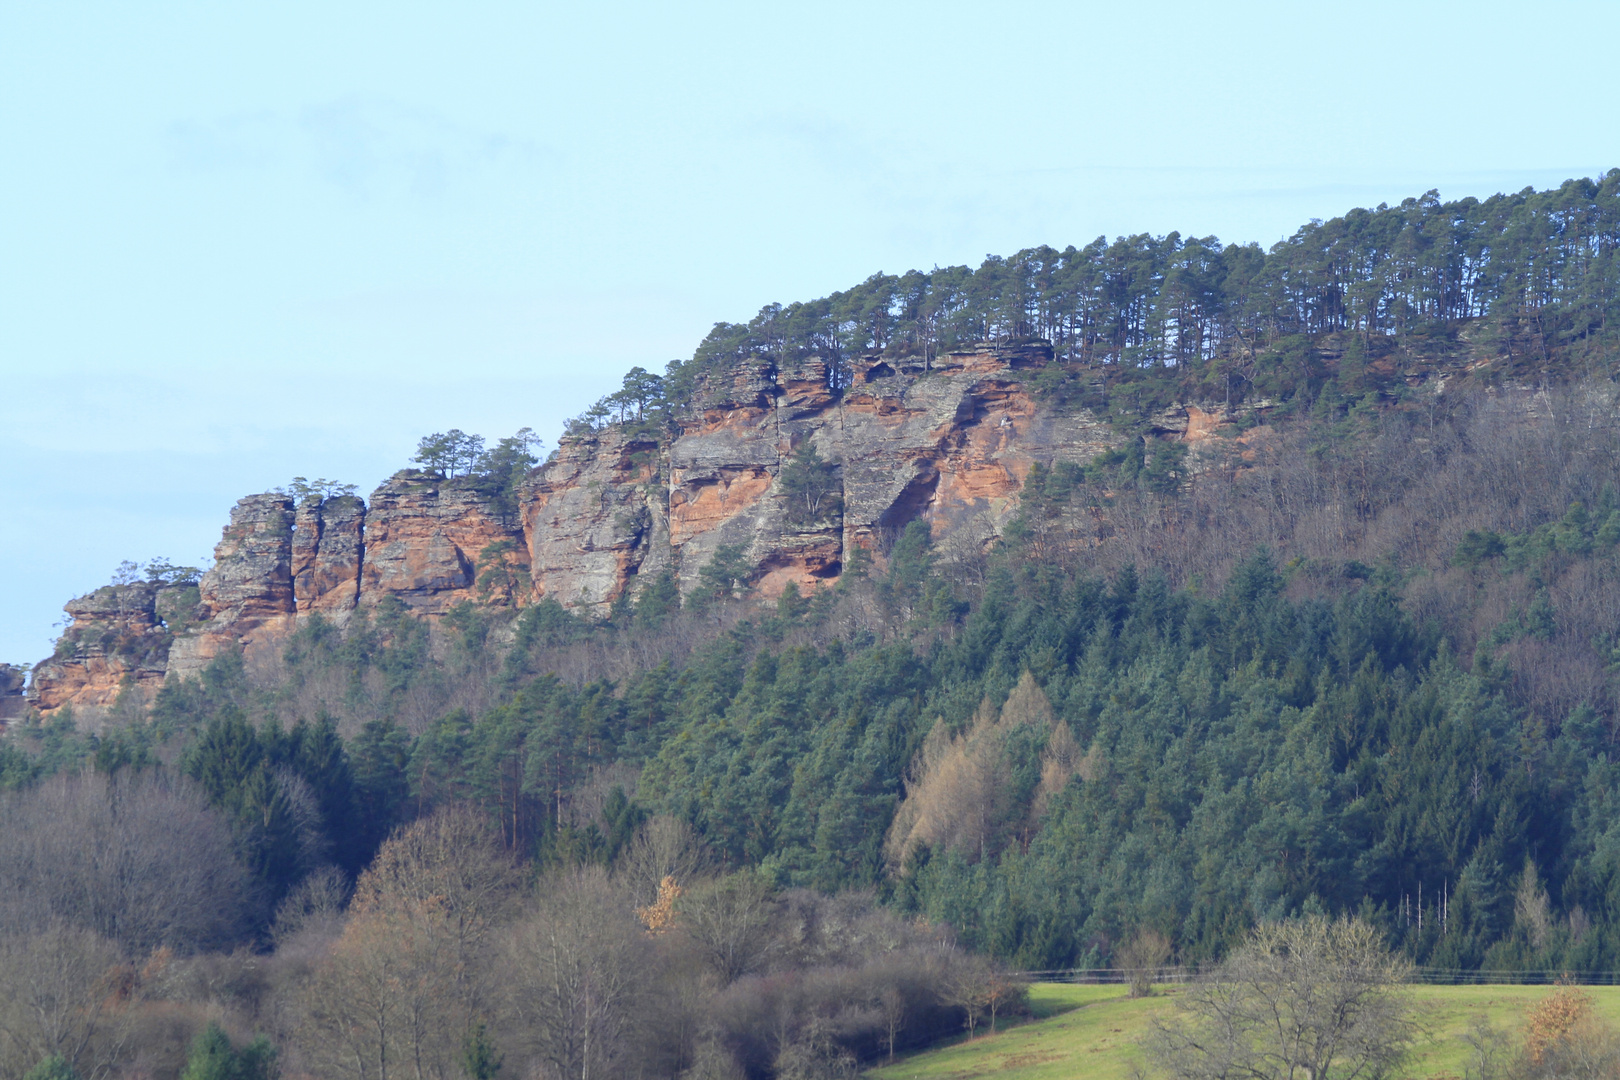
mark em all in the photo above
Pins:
pixel 811 485
pixel 449 453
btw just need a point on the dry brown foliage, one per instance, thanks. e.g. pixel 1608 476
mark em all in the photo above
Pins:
pixel 1553 1019
pixel 1060 762
pixel 659 915
pixel 958 790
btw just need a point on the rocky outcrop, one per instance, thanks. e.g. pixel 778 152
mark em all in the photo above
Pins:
pixel 427 539
pixel 115 642
pixel 948 445
pixel 13 684
pixel 247 598
pixel 596 518
pixel 328 548
pixel 420 542
pixel 947 442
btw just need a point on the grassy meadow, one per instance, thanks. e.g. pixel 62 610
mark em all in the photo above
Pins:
pixel 1092 1031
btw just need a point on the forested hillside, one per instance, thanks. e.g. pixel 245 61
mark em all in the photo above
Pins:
pixel 1355 653
pixel 1524 276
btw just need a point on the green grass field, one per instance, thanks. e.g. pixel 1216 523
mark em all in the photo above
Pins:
pixel 1092 1032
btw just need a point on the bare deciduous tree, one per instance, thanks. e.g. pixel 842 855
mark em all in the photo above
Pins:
pixel 141 860
pixel 728 921
pixel 814 1054
pixel 1310 998
pixel 968 986
pixel 576 970
pixel 1490 1051
pixel 1141 958
pixel 388 1000
pixel 1006 991
pixel 664 847
pixel 892 1000
pixel 58 995
pixel 450 864
pixel 402 985
pixel 318 900
pixel 712 1061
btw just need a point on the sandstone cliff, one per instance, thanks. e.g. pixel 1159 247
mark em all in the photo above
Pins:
pixel 948 444
pixel 13 683
pixel 116 640
pixel 419 541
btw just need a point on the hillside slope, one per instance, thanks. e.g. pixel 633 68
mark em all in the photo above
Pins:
pixel 1092 1031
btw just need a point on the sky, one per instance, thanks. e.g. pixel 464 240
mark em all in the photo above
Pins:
pixel 241 243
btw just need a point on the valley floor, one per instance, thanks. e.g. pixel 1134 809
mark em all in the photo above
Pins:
pixel 1093 1031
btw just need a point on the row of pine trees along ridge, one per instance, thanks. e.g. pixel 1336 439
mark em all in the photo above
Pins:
pixel 1530 278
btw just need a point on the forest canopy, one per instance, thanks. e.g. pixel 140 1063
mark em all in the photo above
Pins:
pixel 1533 274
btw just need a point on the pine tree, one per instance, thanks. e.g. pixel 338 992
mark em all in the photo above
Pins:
pixel 55 1067
pixel 213 1057
pixel 479 1058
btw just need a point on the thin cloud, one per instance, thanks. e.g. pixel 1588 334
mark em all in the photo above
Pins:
pixel 363 147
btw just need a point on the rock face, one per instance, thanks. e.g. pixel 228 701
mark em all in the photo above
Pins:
pixel 13 684
pixel 426 540
pixel 328 547
pixel 247 598
pixel 114 642
pixel 949 446
pixel 947 443
pixel 419 542
pixel 594 518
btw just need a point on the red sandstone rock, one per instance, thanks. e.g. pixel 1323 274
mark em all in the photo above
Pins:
pixel 327 548
pixel 114 642
pixel 426 541
pixel 947 442
pixel 247 597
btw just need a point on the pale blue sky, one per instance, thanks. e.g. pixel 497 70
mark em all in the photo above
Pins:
pixel 242 244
